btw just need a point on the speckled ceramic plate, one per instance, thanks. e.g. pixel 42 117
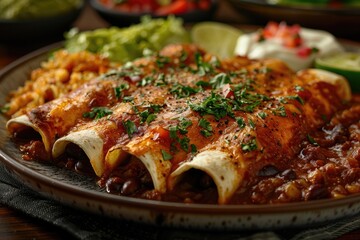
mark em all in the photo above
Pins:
pixel 82 192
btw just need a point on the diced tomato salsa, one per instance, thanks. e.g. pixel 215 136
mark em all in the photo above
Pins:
pixel 157 7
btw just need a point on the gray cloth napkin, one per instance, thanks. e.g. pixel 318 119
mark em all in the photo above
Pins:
pixel 83 225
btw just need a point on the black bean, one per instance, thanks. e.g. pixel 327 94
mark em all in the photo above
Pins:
pixel 268 171
pixel 130 186
pixel 289 174
pixel 114 184
pixel 316 191
pixel 83 166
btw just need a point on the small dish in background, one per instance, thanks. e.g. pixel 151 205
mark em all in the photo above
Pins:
pixel 43 28
pixel 341 20
pixel 123 17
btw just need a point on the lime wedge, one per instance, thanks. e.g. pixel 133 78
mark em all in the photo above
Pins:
pixel 346 64
pixel 216 38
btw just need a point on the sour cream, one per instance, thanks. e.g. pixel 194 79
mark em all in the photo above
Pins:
pixel 252 46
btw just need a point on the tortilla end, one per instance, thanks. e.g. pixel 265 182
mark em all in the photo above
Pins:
pixel 22 122
pixel 158 169
pixel 218 166
pixel 343 86
pixel 90 142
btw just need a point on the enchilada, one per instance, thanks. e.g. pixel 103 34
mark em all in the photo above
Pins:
pixel 233 119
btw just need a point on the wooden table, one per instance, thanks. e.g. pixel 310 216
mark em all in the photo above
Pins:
pixel 15 225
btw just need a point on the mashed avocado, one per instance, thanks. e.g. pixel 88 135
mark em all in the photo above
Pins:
pixel 126 44
pixel 29 9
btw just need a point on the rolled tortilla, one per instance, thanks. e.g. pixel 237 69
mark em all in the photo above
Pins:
pixel 277 138
pixel 54 119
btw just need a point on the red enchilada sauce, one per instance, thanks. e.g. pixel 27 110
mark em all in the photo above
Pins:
pixel 328 166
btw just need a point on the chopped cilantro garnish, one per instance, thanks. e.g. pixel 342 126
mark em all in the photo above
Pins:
pixel 183 125
pixel 215 62
pixel 252 124
pixel 130 127
pixel 202 84
pixel 324 117
pixel 181 91
pixel 161 61
pixel 299 88
pixel 145 81
pixel 297 98
pixel 161 80
pixel 149 114
pixel 280 111
pixel 184 56
pixel 173 132
pixel 156 107
pixel 263 70
pixel 241 122
pixel 119 90
pixel 244 99
pixel 262 115
pixel 237 73
pixel 215 105
pixel 128 99
pixel 193 148
pixel 127 70
pixel 146 116
pixel 312 140
pixel 249 145
pixel 181 128
pixel 165 155
pixel 184 143
pixel 150 118
pixel 206 130
pixel 203 68
pixel 97 112
pixel 219 80
pixel 283 100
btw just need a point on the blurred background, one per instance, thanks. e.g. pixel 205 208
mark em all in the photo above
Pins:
pixel 26 25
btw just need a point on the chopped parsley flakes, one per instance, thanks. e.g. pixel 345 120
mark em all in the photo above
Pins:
pixel 165 155
pixel 183 141
pixel 312 140
pixel 97 113
pixel 119 90
pixel 181 91
pixel 215 105
pixel 203 68
pixel 240 121
pixel 130 127
pixel 249 145
pixel 206 130
pixel 219 80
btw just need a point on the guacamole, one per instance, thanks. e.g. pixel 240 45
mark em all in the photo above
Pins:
pixel 126 44
pixel 30 9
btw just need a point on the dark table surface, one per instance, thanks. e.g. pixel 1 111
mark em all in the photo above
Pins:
pixel 16 225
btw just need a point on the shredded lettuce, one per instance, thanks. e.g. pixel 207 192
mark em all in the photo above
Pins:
pixel 126 44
